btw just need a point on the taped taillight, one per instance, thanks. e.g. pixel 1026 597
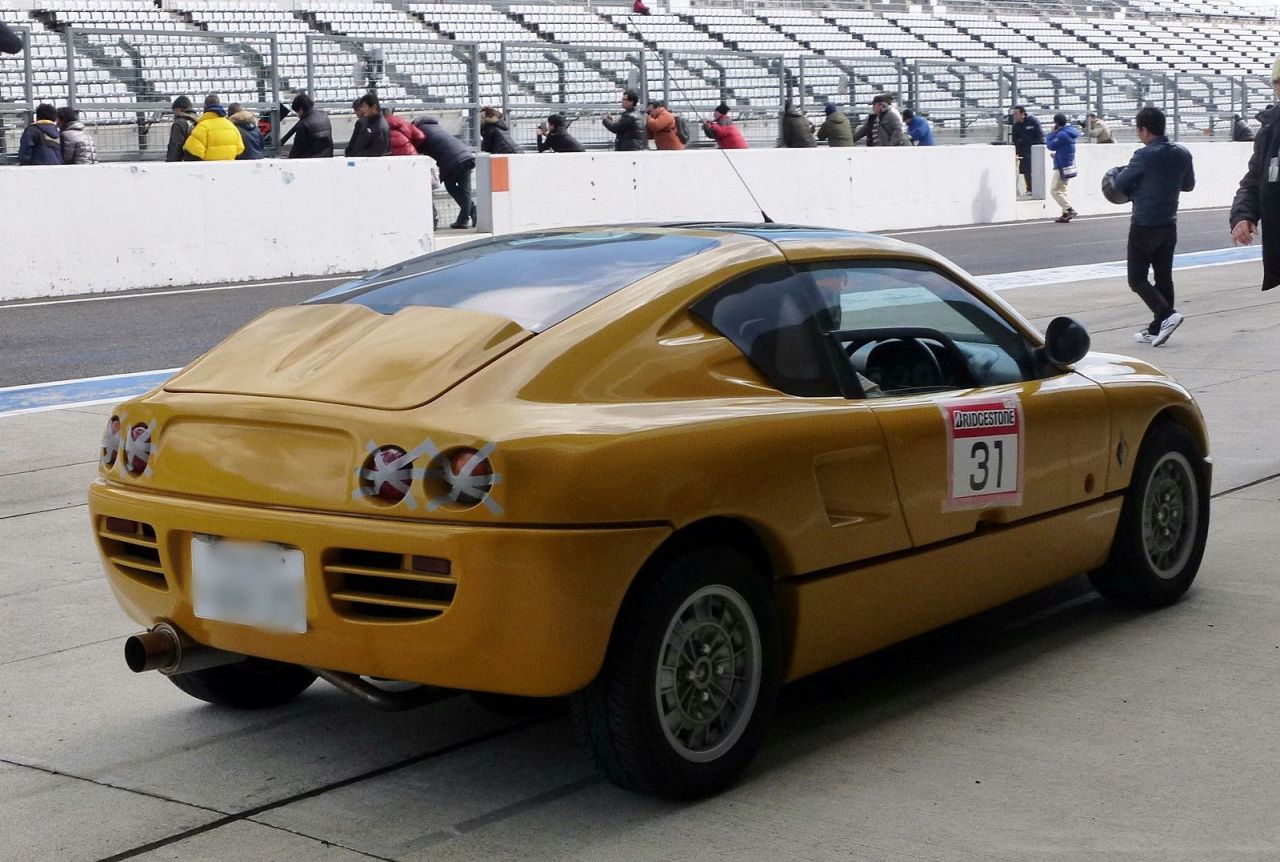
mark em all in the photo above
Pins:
pixel 387 475
pixel 110 443
pixel 137 449
pixel 469 475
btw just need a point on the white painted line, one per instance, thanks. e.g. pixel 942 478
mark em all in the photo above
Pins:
pixel 104 297
pixel 1028 222
pixel 50 407
pixel 124 376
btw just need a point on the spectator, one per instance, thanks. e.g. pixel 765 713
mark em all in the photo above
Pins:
pixel 456 164
pixel 726 135
pixel 495 135
pixel 1062 143
pixel 1258 198
pixel 1099 131
pixel 883 126
pixel 41 143
pixel 11 42
pixel 1240 131
pixel 247 124
pixel 554 135
pixel 629 133
pixel 797 131
pixel 78 147
pixel 639 8
pixel 1154 177
pixel 215 138
pixel 313 133
pixel 184 120
pixel 661 127
pixel 405 136
pixel 371 135
pixel 835 129
pixel 1027 133
pixel 919 131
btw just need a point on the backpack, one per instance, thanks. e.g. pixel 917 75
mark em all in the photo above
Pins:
pixel 682 129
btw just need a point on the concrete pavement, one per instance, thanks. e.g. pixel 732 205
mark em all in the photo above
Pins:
pixel 1054 728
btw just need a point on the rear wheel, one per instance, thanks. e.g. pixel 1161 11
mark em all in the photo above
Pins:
pixel 1163 526
pixel 254 683
pixel 688 686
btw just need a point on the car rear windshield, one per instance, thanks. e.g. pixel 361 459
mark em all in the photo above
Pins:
pixel 537 280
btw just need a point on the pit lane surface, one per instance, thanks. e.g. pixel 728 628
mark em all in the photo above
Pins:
pixel 1054 728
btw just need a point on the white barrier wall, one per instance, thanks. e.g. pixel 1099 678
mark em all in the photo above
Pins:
pixel 858 188
pixel 1218 167
pixel 121 226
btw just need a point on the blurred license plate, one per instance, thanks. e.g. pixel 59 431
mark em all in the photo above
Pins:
pixel 252 583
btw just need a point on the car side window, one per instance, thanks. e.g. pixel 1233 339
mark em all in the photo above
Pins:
pixel 905 328
pixel 772 317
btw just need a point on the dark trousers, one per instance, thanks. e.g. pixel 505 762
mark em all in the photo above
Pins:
pixel 1151 248
pixel 458 185
pixel 1024 168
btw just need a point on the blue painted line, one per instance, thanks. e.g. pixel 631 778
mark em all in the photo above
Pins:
pixel 35 397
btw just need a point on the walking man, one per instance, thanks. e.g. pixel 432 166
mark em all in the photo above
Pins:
pixel 1258 198
pixel 1062 143
pixel 1154 177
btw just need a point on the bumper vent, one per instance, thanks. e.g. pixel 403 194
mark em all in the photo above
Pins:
pixel 131 548
pixel 388 586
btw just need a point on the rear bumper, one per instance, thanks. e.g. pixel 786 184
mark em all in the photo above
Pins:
pixel 530 612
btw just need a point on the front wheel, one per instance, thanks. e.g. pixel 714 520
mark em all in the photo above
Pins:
pixel 1163 526
pixel 254 683
pixel 689 682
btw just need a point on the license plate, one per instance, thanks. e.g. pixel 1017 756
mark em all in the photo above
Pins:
pixel 255 584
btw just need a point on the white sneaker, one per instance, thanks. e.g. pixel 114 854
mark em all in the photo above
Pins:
pixel 1167 326
pixel 1143 337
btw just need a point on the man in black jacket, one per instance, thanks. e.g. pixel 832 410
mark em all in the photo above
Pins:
pixel 312 134
pixel 1258 198
pixel 554 135
pixel 1154 178
pixel 628 129
pixel 1026 134
pixel 456 164
pixel 372 135
pixel 184 120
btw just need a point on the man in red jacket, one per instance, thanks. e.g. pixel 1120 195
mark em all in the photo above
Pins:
pixel 405 136
pixel 722 130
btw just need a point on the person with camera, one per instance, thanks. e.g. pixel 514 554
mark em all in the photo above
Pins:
pixel 628 130
pixel 554 135
pixel 1062 143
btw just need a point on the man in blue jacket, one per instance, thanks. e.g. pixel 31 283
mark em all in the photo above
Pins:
pixel 1062 143
pixel 918 129
pixel 1154 177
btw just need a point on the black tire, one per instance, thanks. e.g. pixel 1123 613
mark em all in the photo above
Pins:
pixel 1163 526
pixel 618 716
pixel 515 706
pixel 254 683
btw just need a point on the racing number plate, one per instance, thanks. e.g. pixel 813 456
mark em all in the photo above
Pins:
pixel 255 584
pixel 984 453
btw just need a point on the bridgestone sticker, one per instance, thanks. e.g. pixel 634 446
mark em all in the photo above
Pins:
pixel 984 453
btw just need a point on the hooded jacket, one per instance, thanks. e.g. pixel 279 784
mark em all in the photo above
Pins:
pixel 215 138
pixel 495 137
pixel 370 137
pixel 836 131
pixel 78 147
pixel 1258 200
pixel 797 131
pixel 183 123
pixel 451 155
pixel 1100 131
pixel 1062 143
pixel 1153 179
pixel 247 123
pixel 405 136
pixel 920 132
pixel 41 144
pixel 628 131
pixel 726 135
pixel 312 136
pixel 661 129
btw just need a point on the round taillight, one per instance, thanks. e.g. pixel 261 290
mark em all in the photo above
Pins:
pixel 469 475
pixel 387 474
pixel 110 443
pixel 137 449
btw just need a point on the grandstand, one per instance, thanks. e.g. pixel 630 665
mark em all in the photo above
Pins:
pixel 121 62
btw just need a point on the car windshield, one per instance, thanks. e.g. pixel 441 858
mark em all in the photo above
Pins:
pixel 537 279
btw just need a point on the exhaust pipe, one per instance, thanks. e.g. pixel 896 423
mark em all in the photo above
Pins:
pixel 168 650
pixel 381 698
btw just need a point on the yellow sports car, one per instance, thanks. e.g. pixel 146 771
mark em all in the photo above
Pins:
pixel 661 468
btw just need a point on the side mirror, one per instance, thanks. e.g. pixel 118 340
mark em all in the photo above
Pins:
pixel 1065 341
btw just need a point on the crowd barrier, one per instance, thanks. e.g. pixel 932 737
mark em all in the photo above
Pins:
pixel 123 226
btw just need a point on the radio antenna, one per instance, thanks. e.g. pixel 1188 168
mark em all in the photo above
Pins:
pixel 675 80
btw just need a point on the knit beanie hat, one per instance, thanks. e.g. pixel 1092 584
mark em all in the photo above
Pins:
pixel 830 108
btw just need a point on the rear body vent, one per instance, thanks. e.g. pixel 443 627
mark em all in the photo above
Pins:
pixel 385 586
pixel 130 547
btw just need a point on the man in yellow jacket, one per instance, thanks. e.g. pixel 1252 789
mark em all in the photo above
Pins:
pixel 215 138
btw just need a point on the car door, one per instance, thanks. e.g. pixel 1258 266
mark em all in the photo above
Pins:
pixel 976 431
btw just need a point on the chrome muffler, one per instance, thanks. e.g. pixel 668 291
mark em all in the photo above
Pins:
pixel 168 650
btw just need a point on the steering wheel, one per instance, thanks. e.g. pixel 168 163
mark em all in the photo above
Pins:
pixel 904 363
